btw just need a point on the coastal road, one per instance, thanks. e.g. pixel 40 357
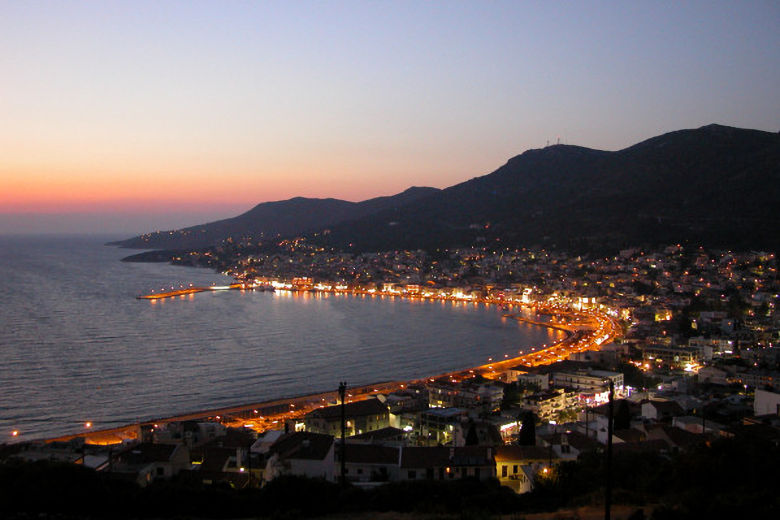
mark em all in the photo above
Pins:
pixel 587 330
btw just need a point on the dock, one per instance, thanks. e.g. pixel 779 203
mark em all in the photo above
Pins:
pixel 191 290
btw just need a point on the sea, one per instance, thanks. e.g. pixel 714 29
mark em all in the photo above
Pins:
pixel 77 346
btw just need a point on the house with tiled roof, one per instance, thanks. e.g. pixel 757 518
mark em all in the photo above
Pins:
pixel 570 444
pixel 444 463
pixel 366 463
pixel 361 417
pixel 661 410
pixel 304 454
pixel 146 462
pixel 213 464
pixel 677 438
pixel 477 432
pixel 385 436
pixel 517 466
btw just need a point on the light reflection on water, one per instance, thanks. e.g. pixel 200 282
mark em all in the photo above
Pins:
pixel 75 344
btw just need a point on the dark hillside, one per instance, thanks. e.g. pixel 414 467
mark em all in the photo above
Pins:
pixel 271 219
pixel 716 185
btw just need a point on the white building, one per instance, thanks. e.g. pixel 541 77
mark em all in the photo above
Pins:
pixel 303 454
pixel 588 380
pixel 766 403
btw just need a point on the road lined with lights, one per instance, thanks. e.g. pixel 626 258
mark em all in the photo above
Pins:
pixel 587 330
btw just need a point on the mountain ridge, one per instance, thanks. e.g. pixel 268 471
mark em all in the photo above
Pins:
pixel 666 187
pixel 294 216
pixel 714 185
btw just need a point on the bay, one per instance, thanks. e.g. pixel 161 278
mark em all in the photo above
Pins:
pixel 76 345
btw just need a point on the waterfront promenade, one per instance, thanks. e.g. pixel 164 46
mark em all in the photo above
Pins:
pixel 586 330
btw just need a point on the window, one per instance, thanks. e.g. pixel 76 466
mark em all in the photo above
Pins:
pixel 514 469
pixel 504 470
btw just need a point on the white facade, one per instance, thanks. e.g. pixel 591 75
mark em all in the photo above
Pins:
pixel 766 403
pixel 588 381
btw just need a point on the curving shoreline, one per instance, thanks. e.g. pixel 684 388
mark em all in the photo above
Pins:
pixel 590 330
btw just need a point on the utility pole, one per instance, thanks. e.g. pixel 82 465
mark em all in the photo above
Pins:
pixel 342 396
pixel 608 493
pixel 587 428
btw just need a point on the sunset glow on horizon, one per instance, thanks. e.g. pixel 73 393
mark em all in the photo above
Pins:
pixel 164 112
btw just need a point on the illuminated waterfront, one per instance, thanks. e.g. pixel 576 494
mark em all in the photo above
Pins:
pixel 77 346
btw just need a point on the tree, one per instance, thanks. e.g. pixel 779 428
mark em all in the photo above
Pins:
pixel 512 394
pixel 622 420
pixel 528 430
pixel 472 439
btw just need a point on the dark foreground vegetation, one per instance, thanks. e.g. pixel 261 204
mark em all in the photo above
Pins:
pixel 727 478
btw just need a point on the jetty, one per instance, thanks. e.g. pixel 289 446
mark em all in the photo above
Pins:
pixel 183 291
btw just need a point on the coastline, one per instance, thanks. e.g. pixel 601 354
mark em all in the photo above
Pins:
pixel 265 415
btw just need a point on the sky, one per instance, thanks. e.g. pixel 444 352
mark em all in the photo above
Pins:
pixel 128 117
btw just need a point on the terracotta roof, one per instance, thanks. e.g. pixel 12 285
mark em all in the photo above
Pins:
pixel 356 409
pixel 370 454
pixel 670 408
pixel 302 445
pixel 473 456
pixel 440 456
pixel 419 457
pixel 380 434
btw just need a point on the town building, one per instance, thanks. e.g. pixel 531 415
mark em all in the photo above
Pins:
pixel 361 417
pixel 303 454
pixel 588 380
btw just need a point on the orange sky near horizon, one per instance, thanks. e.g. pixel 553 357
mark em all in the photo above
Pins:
pixel 197 110
pixel 46 188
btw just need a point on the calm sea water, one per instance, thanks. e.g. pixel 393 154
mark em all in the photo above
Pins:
pixel 76 345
